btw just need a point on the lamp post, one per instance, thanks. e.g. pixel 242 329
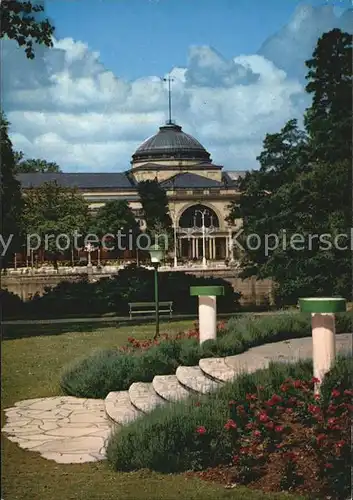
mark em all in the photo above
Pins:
pixel 175 245
pixel 89 249
pixel 156 256
pixel 203 213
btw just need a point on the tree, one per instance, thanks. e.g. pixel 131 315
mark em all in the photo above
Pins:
pixel 155 208
pixel 116 218
pixel 329 119
pixel 300 201
pixel 18 22
pixel 10 199
pixel 28 166
pixel 55 214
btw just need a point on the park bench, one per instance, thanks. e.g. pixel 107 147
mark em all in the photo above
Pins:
pixel 150 307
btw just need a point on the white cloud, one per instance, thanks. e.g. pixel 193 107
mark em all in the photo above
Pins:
pixel 64 106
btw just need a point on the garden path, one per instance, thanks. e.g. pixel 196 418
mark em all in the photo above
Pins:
pixel 75 430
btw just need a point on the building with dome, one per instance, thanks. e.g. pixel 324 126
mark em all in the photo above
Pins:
pixel 198 191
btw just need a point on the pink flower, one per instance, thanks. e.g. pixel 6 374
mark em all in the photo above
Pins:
pixel 263 417
pixel 328 466
pixel 257 433
pixel 279 428
pixel 230 425
pixel 201 430
pixel 335 393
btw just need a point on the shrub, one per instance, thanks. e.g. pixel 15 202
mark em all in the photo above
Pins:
pixel 131 284
pixel 164 440
pixel 266 428
pixel 164 355
pixel 10 304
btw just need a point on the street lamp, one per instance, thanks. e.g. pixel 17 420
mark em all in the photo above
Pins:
pixel 89 248
pixel 156 254
pixel 203 213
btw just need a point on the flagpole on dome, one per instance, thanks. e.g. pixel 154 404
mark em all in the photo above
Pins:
pixel 169 80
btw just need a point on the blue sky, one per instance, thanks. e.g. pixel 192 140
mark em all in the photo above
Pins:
pixel 91 100
pixel 139 37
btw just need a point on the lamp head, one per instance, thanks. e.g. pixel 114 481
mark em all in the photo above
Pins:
pixel 156 254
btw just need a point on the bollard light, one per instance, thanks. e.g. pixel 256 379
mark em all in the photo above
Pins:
pixel 207 309
pixel 323 311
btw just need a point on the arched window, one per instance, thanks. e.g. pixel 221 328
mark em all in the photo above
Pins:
pixel 194 216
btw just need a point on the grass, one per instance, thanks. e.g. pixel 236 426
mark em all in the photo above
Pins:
pixel 31 366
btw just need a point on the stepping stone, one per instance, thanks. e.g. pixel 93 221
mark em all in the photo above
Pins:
pixel 144 397
pixel 217 369
pixel 119 408
pixel 193 378
pixel 169 388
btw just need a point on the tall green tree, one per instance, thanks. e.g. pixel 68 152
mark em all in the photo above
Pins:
pixel 11 202
pixel 51 210
pixel 19 22
pixel 154 202
pixel 117 219
pixel 328 121
pixel 299 200
pixel 24 166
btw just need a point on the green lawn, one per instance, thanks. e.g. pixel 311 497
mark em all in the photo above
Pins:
pixel 31 366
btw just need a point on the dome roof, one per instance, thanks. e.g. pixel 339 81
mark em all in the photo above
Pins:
pixel 171 142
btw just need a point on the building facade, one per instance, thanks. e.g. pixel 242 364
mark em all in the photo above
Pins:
pixel 199 192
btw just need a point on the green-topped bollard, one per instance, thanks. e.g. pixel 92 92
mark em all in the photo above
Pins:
pixel 323 331
pixel 207 310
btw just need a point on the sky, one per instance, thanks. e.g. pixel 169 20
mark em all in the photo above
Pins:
pixel 91 100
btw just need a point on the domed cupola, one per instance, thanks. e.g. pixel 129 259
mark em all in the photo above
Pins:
pixel 170 143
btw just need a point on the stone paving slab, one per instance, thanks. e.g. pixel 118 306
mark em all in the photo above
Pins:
pixel 63 429
pixel 144 397
pixel 194 379
pixel 119 409
pixel 217 369
pixel 169 388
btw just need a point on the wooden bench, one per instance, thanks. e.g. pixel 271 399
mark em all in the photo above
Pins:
pixel 150 307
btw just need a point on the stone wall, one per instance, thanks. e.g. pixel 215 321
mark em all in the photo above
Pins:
pixel 253 292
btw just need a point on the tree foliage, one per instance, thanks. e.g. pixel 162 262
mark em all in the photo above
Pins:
pixel 10 196
pixel 116 218
pixel 299 201
pixel 154 202
pixel 51 210
pixel 24 166
pixel 19 22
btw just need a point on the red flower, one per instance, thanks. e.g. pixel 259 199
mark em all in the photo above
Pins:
pixel 279 428
pixel 256 433
pixel 230 425
pixel 315 380
pixel 297 384
pixel 289 411
pixel 201 430
pixel 328 466
pixel 249 426
pixel 251 397
pixel 348 392
pixel 232 403
pixel 263 417
pixel 240 409
pixel 236 459
pixel 284 388
pixel 320 438
pixel 314 410
pixel 335 393
pixel 340 444
pixel 270 425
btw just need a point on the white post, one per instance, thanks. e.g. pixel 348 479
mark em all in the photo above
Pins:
pixel 204 263
pixel 207 317
pixel 175 246
pixel 324 346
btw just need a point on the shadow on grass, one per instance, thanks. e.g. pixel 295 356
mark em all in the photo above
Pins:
pixel 19 331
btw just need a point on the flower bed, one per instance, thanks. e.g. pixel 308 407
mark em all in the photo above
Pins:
pixel 139 361
pixel 293 441
pixel 267 430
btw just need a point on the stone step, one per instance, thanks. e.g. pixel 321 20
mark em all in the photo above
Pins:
pixel 119 409
pixel 247 362
pixel 193 378
pixel 144 397
pixel 169 388
pixel 217 369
